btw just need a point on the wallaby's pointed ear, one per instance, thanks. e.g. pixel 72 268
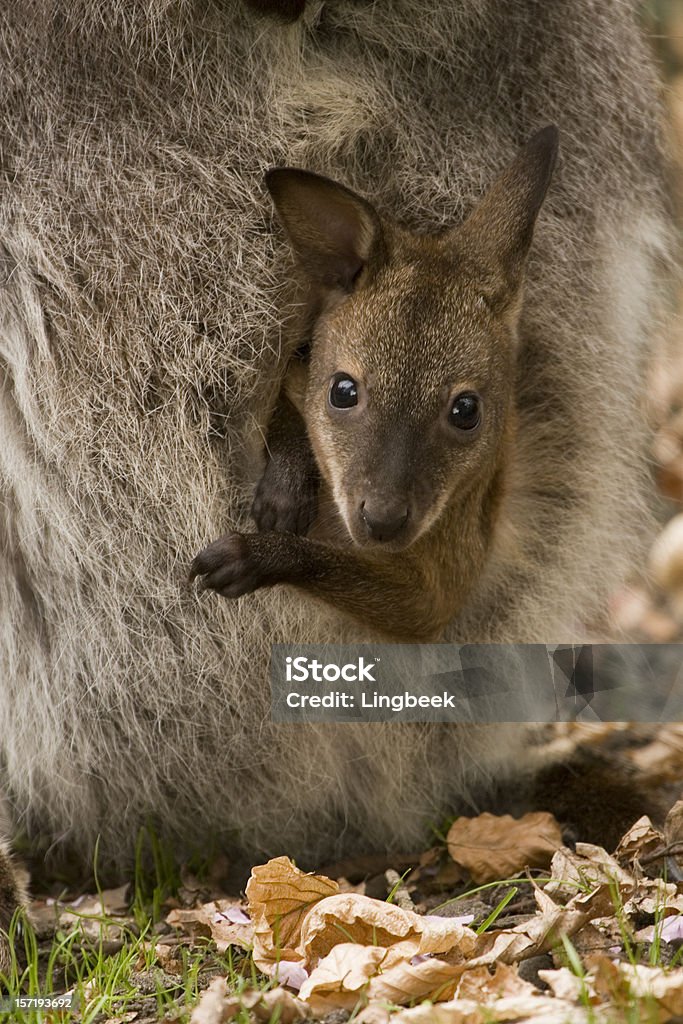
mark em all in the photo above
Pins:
pixel 501 226
pixel 334 233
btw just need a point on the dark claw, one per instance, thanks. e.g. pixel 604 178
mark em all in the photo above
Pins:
pixel 226 566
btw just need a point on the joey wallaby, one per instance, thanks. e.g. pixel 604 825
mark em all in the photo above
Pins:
pixel 409 403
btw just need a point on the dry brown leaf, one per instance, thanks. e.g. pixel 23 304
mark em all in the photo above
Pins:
pixel 216 1005
pixel 376 1012
pixel 588 866
pixel 626 985
pixel 654 896
pixel 167 957
pixel 407 968
pixel 90 915
pixel 341 978
pixel 673 826
pixel 673 832
pixel 369 922
pixel 404 975
pixel 542 931
pixel 396 975
pixel 222 920
pixel 534 1009
pixel 599 936
pixel 278 1004
pixel 460 1011
pixel 641 840
pixel 494 847
pixel 407 975
pixel 482 986
pixel 436 871
pixel 280 896
pixel 566 985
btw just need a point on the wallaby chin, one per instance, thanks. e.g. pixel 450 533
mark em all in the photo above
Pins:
pixel 145 326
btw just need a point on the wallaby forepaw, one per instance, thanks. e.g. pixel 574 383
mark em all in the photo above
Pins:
pixel 286 501
pixel 227 566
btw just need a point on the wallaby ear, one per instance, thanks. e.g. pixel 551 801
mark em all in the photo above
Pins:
pixel 501 226
pixel 334 233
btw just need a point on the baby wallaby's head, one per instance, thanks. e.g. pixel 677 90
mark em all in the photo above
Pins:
pixel 413 343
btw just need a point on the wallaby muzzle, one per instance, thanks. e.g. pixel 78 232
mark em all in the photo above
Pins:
pixel 384 518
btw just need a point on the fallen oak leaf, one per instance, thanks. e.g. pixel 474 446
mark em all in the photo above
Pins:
pixel 654 896
pixel 407 975
pixel 641 845
pixel 341 978
pixel 224 921
pixel 421 956
pixel 279 896
pixel 567 986
pixel 277 1004
pixel 218 1005
pixel 460 1011
pixel 492 847
pixel 368 922
pixel 673 825
pixel 194 922
pixel 629 985
pixel 98 918
pixel 534 1008
pixel 479 984
pixel 586 867
pixel 351 974
pixel 540 933
pixel 378 1011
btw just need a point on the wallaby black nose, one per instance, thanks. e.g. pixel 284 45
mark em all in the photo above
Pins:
pixel 383 521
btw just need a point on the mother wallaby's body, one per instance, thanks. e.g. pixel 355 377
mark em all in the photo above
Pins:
pixel 140 322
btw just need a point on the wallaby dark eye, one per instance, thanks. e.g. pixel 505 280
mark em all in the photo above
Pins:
pixel 465 411
pixel 343 392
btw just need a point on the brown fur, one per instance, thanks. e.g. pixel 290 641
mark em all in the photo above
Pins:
pixel 12 896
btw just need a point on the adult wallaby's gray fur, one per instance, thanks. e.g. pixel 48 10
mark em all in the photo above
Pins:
pixel 140 352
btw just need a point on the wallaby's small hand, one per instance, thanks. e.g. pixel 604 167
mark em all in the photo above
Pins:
pixel 379 593
pixel 286 498
pixel 228 566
